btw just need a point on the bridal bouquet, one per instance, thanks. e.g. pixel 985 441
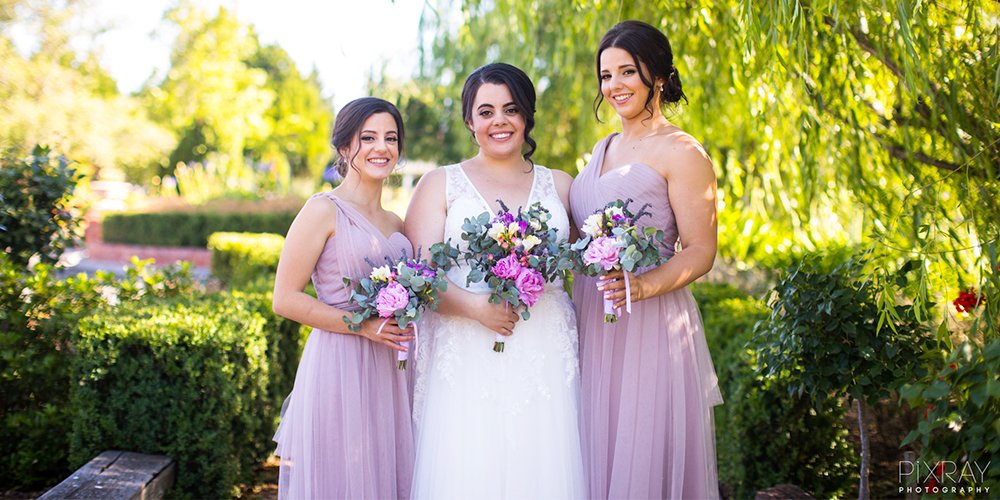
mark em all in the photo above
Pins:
pixel 611 241
pixel 397 290
pixel 515 254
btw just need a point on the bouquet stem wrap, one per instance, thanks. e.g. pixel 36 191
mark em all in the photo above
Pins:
pixel 498 341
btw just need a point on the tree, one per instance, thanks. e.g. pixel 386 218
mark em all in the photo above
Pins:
pixel 300 118
pixel 58 97
pixel 829 123
pixel 210 91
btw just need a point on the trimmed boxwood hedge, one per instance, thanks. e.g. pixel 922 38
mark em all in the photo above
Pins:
pixel 189 229
pixel 241 259
pixel 188 378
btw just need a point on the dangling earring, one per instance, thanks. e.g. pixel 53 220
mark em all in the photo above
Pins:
pixel 661 88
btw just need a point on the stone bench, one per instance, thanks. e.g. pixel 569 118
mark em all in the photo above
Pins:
pixel 118 475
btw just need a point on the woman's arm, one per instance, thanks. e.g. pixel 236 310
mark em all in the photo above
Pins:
pixel 307 236
pixel 691 187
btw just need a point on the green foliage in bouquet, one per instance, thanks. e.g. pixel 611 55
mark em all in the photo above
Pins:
pixel 526 237
pixel 637 247
pixel 421 282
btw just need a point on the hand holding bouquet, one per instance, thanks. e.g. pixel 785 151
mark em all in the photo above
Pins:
pixel 610 242
pixel 397 290
pixel 514 254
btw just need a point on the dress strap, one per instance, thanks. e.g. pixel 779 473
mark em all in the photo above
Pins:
pixel 457 184
pixel 545 188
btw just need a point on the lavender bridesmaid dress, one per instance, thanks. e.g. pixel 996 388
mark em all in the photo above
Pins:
pixel 346 430
pixel 648 384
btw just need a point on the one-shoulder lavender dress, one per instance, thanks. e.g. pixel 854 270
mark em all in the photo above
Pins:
pixel 346 430
pixel 648 384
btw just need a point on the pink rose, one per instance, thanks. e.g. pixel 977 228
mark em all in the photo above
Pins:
pixel 530 285
pixel 507 268
pixel 603 251
pixel 391 299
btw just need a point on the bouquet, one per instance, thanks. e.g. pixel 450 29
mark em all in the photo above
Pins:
pixel 514 254
pixel 611 241
pixel 397 290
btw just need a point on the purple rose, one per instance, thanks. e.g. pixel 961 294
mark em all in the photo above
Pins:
pixel 507 268
pixel 603 251
pixel 391 299
pixel 530 285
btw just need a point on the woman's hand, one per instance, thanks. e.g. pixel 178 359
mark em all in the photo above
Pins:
pixel 500 318
pixel 613 286
pixel 391 334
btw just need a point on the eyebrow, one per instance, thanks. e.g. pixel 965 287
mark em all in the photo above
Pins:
pixel 621 67
pixel 374 132
pixel 487 105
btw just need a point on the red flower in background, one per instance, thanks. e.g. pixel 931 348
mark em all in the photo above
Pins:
pixel 966 301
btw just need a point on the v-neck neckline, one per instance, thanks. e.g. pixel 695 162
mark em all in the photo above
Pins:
pixel 361 216
pixel 531 192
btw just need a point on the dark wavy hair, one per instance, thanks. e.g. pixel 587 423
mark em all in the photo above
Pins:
pixel 649 46
pixel 520 87
pixel 348 126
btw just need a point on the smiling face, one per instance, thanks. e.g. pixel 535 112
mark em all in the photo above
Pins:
pixel 374 151
pixel 622 85
pixel 497 123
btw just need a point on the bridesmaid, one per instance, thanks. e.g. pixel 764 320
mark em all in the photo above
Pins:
pixel 648 382
pixel 346 431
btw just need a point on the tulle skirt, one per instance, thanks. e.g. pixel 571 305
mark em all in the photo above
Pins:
pixel 499 425
pixel 648 388
pixel 346 430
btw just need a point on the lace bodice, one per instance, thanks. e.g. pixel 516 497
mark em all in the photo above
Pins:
pixel 464 201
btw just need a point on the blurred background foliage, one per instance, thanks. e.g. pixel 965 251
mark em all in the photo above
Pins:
pixel 859 131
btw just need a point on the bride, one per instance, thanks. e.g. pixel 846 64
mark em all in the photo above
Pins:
pixel 488 424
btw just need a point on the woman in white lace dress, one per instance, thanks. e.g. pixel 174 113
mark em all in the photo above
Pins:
pixel 488 424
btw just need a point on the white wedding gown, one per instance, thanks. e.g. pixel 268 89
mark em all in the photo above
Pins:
pixel 498 425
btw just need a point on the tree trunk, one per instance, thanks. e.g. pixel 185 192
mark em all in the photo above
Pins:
pixel 863 433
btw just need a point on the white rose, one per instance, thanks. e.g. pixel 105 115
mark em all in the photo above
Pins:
pixel 530 242
pixel 592 226
pixel 381 273
pixel 496 231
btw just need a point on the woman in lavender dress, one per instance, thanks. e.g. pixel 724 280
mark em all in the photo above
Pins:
pixel 346 431
pixel 648 385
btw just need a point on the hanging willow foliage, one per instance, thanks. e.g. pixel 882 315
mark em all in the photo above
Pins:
pixel 862 123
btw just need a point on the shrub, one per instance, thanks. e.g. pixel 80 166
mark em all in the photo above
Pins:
pixel 962 399
pixel 189 229
pixel 35 193
pixel 764 436
pixel 285 340
pixel 825 337
pixel 239 259
pixel 183 378
pixel 39 316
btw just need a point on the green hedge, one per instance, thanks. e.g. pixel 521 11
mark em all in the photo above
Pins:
pixel 186 379
pixel 189 229
pixel 39 317
pixel 764 436
pixel 241 259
